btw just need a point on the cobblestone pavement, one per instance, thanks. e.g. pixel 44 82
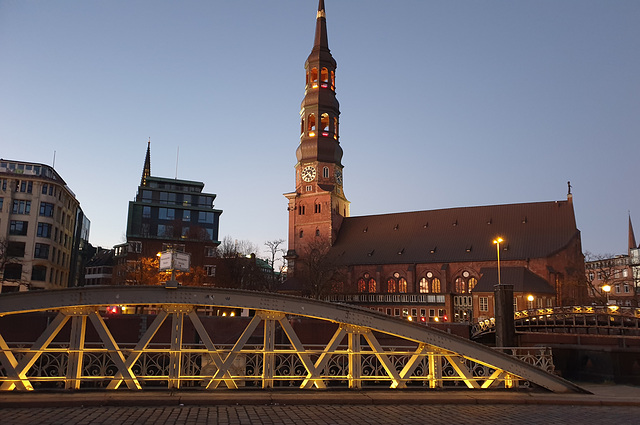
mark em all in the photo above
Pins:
pixel 324 415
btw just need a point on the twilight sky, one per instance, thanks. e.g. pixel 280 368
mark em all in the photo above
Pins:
pixel 443 104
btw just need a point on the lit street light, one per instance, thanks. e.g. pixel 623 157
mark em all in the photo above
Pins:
pixel 607 289
pixel 497 242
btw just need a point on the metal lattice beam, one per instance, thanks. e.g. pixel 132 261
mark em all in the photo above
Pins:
pixel 433 353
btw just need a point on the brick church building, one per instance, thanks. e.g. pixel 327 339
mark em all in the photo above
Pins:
pixel 436 265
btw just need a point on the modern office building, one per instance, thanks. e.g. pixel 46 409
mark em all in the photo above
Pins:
pixel 42 228
pixel 168 214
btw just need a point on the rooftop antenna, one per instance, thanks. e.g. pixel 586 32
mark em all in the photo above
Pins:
pixel 177 157
pixel 54 160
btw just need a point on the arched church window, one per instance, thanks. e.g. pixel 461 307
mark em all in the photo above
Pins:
pixel 324 124
pixel 333 80
pixel 311 126
pixel 373 286
pixel 335 128
pixel 402 285
pixel 435 286
pixel 317 232
pixel 301 233
pixel 460 286
pixel 324 76
pixel 472 283
pixel 314 78
pixel 391 285
pixel 302 126
pixel 362 285
pixel 424 286
pixel 325 172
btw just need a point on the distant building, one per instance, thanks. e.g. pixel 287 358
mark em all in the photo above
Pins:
pixel 616 279
pixel 168 214
pixel 99 269
pixel 424 265
pixel 43 230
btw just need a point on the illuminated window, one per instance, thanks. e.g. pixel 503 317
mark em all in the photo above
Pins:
pixel 302 126
pixel 435 285
pixel 460 286
pixel 362 285
pixel 335 128
pixel 402 285
pixel 314 78
pixel 333 80
pixel 424 285
pixel 373 286
pixel 324 124
pixel 324 75
pixel 337 287
pixel 472 283
pixel 391 285
pixel 311 127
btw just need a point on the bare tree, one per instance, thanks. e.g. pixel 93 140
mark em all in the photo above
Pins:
pixel 320 270
pixel 240 265
pixel 604 270
pixel 273 247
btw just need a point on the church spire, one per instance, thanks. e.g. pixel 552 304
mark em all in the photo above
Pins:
pixel 146 170
pixel 632 237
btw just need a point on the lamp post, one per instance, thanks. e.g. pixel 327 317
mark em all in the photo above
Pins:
pixel 607 289
pixel 497 241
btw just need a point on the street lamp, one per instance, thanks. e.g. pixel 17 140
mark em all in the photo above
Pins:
pixel 530 298
pixel 497 241
pixel 607 289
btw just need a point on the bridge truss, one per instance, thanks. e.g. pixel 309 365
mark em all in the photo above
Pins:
pixel 77 349
pixel 595 320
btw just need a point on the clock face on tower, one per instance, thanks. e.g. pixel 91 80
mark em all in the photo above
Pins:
pixel 339 177
pixel 308 173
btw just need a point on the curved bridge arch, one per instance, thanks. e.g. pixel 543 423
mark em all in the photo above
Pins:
pixel 433 350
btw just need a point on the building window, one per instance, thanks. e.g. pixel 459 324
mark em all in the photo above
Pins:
pixel 210 270
pixel 135 247
pixel 311 127
pixel 301 210
pixel 472 283
pixel 15 249
pixel 301 233
pixel 167 214
pixel 373 286
pixel 325 172
pixel 205 217
pixel 39 273
pixel 460 286
pixel 44 230
pixel 324 124
pixel 396 312
pixel 41 251
pixel 46 209
pixel 435 285
pixel 484 304
pixel 402 285
pixel 13 271
pixel 146 212
pixel 147 196
pixel 308 188
pixel 313 78
pixel 362 285
pixel 18 227
pixel 210 251
pixel 424 286
pixel 21 207
pixel 165 230
pixel 317 232
pixel 316 208
pixel 186 215
pixel 391 285
pixel 626 288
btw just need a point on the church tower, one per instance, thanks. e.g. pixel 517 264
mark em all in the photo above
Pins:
pixel 318 205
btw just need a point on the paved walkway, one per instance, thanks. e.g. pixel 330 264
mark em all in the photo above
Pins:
pixel 607 404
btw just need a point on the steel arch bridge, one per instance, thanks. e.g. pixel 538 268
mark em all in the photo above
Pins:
pixel 594 320
pixel 73 354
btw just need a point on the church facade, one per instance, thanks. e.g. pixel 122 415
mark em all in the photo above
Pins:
pixel 429 266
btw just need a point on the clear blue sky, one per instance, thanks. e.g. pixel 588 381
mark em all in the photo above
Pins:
pixel 444 104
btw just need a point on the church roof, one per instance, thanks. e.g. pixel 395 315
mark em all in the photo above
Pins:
pixel 522 279
pixel 529 230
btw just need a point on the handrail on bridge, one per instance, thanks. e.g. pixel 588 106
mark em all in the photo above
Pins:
pixel 78 347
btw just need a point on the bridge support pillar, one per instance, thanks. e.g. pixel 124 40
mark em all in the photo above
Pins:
pixel 505 326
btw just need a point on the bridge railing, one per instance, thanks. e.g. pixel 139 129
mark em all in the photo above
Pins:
pixel 610 318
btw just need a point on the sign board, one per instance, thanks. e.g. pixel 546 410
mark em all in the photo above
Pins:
pixel 180 261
